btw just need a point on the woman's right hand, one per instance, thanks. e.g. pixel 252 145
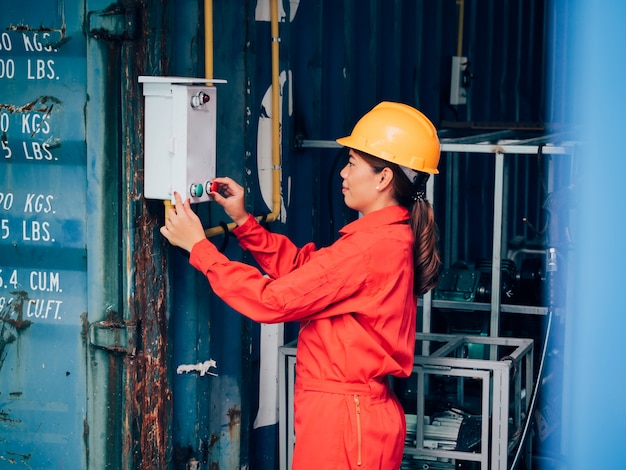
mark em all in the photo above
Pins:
pixel 230 196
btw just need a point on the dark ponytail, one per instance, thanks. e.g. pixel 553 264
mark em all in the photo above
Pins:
pixel 425 253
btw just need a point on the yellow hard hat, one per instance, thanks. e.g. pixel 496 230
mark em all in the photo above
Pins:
pixel 397 133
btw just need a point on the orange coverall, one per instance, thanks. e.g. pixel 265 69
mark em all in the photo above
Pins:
pixel 357 310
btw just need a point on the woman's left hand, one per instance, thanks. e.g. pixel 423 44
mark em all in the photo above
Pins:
pixel 182 227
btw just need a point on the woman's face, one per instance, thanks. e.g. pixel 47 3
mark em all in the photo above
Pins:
pixel 359 184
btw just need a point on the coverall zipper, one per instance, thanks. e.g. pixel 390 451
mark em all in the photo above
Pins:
pixel 357 402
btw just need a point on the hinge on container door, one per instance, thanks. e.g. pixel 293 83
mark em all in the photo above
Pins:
pixel 115 23
pixel 114 336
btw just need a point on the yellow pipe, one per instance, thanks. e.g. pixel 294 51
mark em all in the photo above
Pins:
pixel 276 164
pixel 208 38
pixel 459 44
pixel 168 205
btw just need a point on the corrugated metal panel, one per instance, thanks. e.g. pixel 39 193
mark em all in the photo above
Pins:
pixel 347 56
pixel 43 215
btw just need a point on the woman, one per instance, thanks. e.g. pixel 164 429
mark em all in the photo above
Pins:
pixel 356 300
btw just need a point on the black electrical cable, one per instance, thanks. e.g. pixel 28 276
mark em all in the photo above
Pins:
pixel 535 393
pixel 224 245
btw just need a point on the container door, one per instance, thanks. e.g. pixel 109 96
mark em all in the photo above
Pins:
pixel 58 278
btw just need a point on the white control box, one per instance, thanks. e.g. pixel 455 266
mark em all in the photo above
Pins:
pixel 458 93
pixel 179 137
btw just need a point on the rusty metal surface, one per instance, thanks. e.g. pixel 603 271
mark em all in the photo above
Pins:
pixel 12 325
pixel 146 381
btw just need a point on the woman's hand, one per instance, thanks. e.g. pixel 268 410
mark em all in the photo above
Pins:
pixel 182 226
pixel 230 196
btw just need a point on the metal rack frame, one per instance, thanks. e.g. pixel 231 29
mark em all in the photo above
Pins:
pixel 495 376
pixel 499 144
pixel 286 381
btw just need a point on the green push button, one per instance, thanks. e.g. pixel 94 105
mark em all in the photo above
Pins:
pixel 196 190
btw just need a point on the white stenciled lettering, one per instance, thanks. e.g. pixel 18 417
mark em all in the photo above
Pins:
pixel 36 231
pixel 4 229
pixel 43 309
pixel 4 122
pixel 37 151
pixel 7 68
pixel 6 150
pixel 5 42
pixel 39 69
pixel 38 203
pixel 13 279
pixel 35 44
pixel 5 302
pixel 34 123
pixel 6 201
pixel 45 281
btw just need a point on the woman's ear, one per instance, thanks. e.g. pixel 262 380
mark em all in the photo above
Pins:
pixel 385 177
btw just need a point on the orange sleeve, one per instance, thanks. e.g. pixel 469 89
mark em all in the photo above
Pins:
pixel 314 289
pixel 275 253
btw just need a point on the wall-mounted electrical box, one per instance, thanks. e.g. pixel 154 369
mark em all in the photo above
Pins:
pixel 179 137
pixel 458 93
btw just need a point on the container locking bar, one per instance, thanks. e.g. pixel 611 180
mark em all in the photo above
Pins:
pixel 115 337
pixel 113 24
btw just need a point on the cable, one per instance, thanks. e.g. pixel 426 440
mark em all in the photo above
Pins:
pixel 550 270
pixel 224 245
pixel 535 393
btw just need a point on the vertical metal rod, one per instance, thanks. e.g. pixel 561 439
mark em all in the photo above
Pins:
pixel 282 410
pixel 419 434
pixel 497 245
pixel 506 216
pixel 449 235
pixel 427 299
pixel 455 175
pixel 485 408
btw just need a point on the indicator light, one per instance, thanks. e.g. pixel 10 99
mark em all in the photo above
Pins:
pixel 199 99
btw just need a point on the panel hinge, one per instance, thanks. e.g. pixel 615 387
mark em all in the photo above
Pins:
pixel 115 23
pixel 114 336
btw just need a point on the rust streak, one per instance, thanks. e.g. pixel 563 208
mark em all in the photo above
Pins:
pixel 43 104
pixel 22 457
pixel 234 423
pixel 16 307
pixel 23 28
pixel 6 418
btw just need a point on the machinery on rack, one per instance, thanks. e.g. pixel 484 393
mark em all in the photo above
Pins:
pixel 523 284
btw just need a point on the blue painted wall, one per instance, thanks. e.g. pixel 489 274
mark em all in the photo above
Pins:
pixel 43 237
